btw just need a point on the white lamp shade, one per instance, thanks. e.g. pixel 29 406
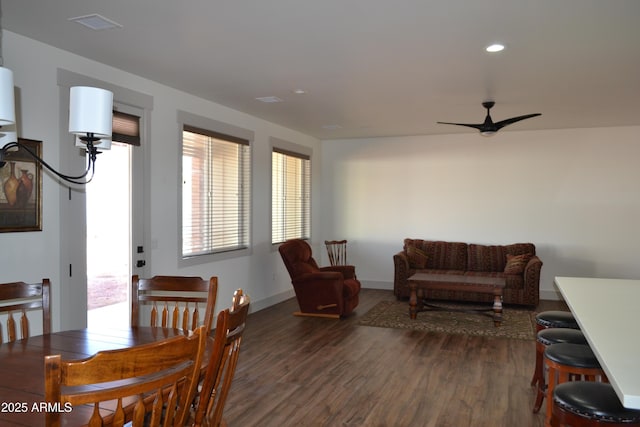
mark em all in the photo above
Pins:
pixel 90 111
pixel 7 104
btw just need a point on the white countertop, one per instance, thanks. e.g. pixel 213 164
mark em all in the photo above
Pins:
pixel 608 312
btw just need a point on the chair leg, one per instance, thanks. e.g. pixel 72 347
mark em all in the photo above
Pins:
pixel 555 377
pixel 538 378
pixel 537 373
pixel 540 392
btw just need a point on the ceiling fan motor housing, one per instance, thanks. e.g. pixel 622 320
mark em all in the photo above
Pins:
pixel 488 127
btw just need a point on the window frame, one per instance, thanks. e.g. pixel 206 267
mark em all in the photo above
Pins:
pixel 231 133
pixel 302 152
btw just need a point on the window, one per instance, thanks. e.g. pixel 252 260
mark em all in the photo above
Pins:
pixel 290 196
pixel 215 192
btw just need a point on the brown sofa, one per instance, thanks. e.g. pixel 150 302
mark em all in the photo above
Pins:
pixel 518 263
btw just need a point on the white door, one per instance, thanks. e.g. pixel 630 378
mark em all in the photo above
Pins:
pixel 115 248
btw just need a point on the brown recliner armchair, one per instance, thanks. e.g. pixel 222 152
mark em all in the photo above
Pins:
pixel 321 291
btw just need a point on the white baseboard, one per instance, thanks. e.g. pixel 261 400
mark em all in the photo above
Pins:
pixel 374 284
pixel 272 300
pixel 550 295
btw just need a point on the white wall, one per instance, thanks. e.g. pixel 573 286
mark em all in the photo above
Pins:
pixel 573 193
pixel 34 255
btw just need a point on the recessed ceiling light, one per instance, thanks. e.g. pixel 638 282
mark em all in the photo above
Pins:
pixel 496 47
pixel 299 91
pixel 95 22
pixel 269 99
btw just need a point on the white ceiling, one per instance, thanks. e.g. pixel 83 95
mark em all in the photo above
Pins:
pixel 371 67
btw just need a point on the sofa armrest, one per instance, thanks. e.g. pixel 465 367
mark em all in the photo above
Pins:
pixel 318 276
pixel 402 271
pixel 532 280
pixel 347 271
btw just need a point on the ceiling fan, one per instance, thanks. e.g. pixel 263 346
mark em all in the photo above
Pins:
pixel 489 128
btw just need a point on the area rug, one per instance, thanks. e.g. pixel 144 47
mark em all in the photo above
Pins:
pixel 516 323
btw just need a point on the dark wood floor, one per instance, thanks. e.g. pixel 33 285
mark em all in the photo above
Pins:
pixel 297 371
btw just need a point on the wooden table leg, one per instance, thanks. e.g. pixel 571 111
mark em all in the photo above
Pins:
pixel 497 308
pixel 413 300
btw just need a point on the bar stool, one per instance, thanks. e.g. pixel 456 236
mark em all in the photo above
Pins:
pixel 547 320
pixel 565 362
pixel 545 338
pixel 555 319
pixel 586 404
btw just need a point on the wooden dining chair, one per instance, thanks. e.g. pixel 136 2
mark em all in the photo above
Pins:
pixel 173 301
pixel 222 363
pixel 21 297
pixel 337 251
pixel 151 384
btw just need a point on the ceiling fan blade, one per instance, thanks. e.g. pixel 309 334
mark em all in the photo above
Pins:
pixel 479 126
pixel 505 122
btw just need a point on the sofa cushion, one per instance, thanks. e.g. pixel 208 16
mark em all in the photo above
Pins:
pixel 441 255
pixel 418 243
pixel 447 255
pixel 436 271
pixel 484 273
pixel 417 257
pixel 486 258
pixel 514 281
pixel 516 263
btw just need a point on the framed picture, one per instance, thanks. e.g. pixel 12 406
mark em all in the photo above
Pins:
pixel 21 192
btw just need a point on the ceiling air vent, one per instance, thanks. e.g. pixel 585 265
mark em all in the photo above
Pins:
pixel 269 99
pixel 96 22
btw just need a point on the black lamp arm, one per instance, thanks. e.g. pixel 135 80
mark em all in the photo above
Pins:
pixel 77 179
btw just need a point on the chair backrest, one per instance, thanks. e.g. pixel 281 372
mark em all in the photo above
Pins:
pixel 174 301
pixel 337 251
pixel 21 297
pixel 297 257
pixel 223 361
pixel 145 385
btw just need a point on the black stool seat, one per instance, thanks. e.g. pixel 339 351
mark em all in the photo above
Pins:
pixel 576 355
pixel 556 319
pixel 561 335
pixel 594 401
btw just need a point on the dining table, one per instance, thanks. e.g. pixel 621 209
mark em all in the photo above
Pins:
pixel 607 312
pixel 22 368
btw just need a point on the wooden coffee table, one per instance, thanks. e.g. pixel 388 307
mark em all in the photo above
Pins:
pixel 488 285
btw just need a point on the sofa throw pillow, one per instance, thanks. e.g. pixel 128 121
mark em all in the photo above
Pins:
pixel 516 263
pixel 417 257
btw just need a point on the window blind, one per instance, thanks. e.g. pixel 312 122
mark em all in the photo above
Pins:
pixel 215 192
pixel 290 196
pixel 126 128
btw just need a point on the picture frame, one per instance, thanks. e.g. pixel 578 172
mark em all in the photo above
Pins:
pixel 21 189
